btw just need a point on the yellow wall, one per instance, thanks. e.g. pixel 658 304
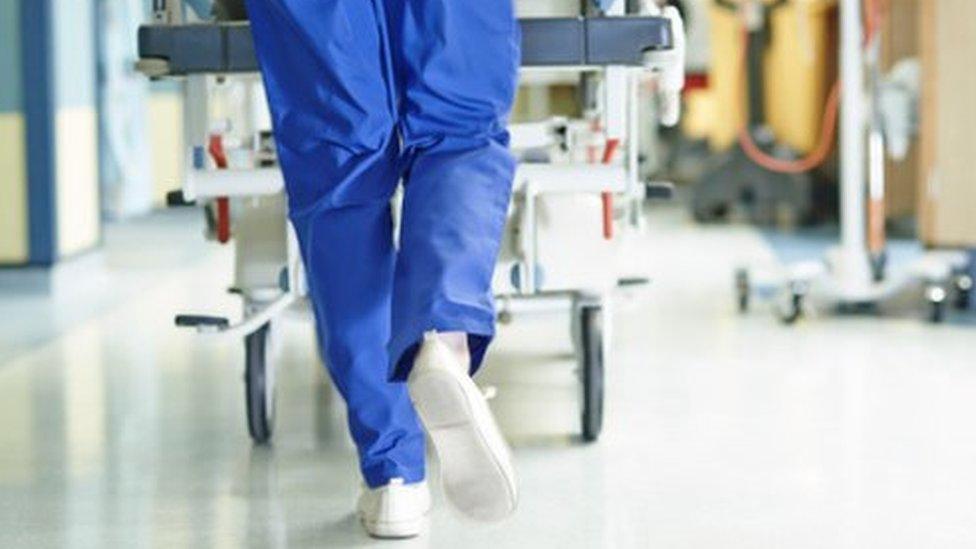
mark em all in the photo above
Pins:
pixel 165 115
pixel 76 130
pixel 13 190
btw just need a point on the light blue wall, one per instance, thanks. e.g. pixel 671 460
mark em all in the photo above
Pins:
pixel 74 50
pixel 10 79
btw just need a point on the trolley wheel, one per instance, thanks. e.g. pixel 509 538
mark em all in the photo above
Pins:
pixel 259 384
pixel 937 312
pixel 964 292
pixel 935 295
pixel 742 289
pixel 592 355
pixel 792 310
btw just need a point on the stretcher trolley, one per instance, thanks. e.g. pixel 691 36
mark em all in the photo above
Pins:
pixel 231 169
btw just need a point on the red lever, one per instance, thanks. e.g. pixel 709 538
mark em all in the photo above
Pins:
pixel 608 153
pixel 216 149
pixel 223 220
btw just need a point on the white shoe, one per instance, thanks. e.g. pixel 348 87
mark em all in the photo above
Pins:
pixel 396 510
pixel 476 464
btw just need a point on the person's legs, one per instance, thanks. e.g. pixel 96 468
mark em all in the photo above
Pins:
pixel 327 74
pixel 457 69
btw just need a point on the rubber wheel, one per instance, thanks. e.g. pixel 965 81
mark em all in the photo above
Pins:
pixel 964 293
pixel 794 310
pixel 937 312
pixel 259 386
pixel 964 300
pixel 742 289
pixel 591 326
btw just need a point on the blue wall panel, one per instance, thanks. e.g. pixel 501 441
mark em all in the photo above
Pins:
pixel 36 54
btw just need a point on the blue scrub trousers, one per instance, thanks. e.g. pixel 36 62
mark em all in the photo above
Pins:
pixel 365 94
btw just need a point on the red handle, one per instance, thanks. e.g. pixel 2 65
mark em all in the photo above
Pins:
pixel 223 220
pixel 608 153
pixel 216 150
pixel 607 215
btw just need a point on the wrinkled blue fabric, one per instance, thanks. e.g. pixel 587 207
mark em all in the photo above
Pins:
pixel 364 94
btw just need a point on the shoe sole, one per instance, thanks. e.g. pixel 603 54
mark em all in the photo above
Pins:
pixel 475 463
pixel 393 530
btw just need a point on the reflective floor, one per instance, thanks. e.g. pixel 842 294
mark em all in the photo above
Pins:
pixel 116 430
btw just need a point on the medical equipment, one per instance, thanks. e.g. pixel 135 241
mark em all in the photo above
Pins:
pixel 852 278
pixel 241 187
pixel 743 183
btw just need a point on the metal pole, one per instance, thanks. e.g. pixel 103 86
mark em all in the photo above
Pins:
pixel 529 282
pixel 852 137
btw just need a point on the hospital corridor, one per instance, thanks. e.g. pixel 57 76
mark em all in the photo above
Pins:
pixel 121 431
pixel 528 273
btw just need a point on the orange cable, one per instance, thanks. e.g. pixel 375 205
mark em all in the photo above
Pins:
pixel 874 15
pixel 828 131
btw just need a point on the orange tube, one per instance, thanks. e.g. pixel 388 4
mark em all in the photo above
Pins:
pixel 817 157
pixel 828 131
pixel 876 226
pixel 874 14
pixel 874 11
pixel 607 215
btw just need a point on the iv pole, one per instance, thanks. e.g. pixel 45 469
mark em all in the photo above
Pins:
pixel 846 279
pixel 849 263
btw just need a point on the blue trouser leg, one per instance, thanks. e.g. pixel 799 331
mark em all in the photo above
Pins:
pixel 354 324
pixel 363 92
pixel 329 84
pixel 457 64
pixel 454 210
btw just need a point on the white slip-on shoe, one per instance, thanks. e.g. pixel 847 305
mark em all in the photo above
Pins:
pixel 475 462
pixel 396 510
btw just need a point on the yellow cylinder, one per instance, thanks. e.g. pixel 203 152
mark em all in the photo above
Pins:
pixel 799 69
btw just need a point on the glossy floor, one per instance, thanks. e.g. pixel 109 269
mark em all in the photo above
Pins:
pixel 722 430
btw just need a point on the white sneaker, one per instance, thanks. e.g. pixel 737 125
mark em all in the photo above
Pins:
pixel 396 510
pixel 476 464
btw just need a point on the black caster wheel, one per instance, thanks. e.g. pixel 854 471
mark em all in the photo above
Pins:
pixel 742 289
pixel 879 265
pixel 937 312
pixel 259 381
pixel 792 310
pixel 936 297
pixel 592 356
pixel 964 292
pixel 505 316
